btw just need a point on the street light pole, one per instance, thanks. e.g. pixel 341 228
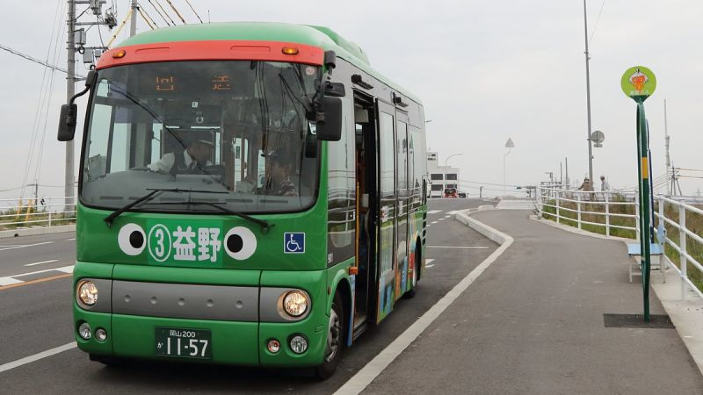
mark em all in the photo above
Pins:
pixel 588 95
pixel 451 156
pixel 509 145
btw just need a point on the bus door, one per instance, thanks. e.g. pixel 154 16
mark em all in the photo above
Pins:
pixel 403 203
pixel 386 210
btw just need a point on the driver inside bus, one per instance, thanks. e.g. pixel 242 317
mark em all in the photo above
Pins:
pixel 196 155
pixel 279 168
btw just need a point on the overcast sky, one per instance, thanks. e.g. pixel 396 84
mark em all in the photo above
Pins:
pixel 485 71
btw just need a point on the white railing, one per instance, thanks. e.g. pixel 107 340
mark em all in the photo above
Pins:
pixel 18 213
pixel 602 209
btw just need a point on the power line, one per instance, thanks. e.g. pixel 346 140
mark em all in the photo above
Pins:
pixel 176 11
pixel 595 27
pixel 164 11
pixel 143 15
pixel 151 22
pixel 33 59
pixel 194 12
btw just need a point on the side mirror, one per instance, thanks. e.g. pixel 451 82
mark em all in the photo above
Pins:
pixel 329 119
pixel 91 78
pixel 330 59
pixel 67 122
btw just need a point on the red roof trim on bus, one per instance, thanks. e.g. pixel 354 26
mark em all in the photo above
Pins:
pixel 212 50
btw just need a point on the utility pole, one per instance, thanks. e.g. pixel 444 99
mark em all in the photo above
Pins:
pixel 70 91
pixel 561 175
pixel 480 192
pixel 588 95
pixel 566 166
pixel 73 46
pixel 668 158
pixel 133 22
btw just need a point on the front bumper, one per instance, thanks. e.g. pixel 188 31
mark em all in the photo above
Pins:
pixel 237 337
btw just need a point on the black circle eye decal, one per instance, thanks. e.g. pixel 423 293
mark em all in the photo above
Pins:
pixel 136 239
pixel 131 239
pixel 240 243
pixel 235 243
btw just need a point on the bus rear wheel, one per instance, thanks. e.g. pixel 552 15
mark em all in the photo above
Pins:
pixel 335 339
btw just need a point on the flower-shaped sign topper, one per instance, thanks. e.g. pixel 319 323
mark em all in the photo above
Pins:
pixel 638 83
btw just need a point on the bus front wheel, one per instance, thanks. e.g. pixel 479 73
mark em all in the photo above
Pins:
pixel 335 339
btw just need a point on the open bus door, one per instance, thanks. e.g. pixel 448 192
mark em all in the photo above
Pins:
pixel 386 213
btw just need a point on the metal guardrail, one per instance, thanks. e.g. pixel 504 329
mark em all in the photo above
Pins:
pixel 570 207
pixel 18 213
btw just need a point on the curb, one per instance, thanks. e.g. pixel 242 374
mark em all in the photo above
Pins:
pixel 495 235
pixel 39 230
pixel 577 231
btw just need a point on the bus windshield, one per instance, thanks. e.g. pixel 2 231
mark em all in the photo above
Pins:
pixel 239 128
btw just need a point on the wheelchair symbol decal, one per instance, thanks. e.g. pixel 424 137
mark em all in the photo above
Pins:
pixel 294 242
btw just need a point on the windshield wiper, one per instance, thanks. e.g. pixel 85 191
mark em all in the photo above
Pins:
pixel 265 225
pixel 154 191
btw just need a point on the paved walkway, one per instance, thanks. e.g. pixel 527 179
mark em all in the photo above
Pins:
pixel 533 323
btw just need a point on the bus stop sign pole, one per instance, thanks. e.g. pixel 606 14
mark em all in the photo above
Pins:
pixel 639 83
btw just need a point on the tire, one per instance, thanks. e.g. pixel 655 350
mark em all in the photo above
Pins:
pixel 335 339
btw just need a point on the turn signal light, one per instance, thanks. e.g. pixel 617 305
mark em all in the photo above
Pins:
pixel 290 51
pixel 119 54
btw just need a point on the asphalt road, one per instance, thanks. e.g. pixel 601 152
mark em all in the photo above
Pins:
pixel 35 315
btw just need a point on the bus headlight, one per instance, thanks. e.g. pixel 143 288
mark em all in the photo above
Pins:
pixel 87 292
pixel 296 303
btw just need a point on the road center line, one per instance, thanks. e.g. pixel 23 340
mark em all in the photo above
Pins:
pixel 467 247
pixel 371 370
pixel 42 262
pixel 32 358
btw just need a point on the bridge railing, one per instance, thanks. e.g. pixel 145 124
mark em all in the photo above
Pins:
pixel 616 213
pixel 19 213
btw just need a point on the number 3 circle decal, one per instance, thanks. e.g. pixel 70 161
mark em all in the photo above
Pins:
pixel 159 243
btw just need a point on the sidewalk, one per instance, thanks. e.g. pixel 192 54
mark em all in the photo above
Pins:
pixel 533 323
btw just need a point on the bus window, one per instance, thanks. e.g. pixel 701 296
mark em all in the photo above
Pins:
pixel 401 150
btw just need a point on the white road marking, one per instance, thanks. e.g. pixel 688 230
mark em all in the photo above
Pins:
pixel 72 239
pixel 434 211
pixel 447 216
pixel 65 269
pixel 467 247
pixel 428 261
pixel 368 373
pixel 429 266
pixel 32 358
pixel 24 245
pixel 9 281
pixel 42 262
pixel 441 219
pixel 433 222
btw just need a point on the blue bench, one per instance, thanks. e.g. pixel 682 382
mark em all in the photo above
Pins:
pixel 655 251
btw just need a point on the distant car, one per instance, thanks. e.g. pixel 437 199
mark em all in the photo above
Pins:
pixel 462 195
pixel 450 192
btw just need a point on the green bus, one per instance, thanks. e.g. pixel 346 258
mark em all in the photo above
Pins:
pixel 249 193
